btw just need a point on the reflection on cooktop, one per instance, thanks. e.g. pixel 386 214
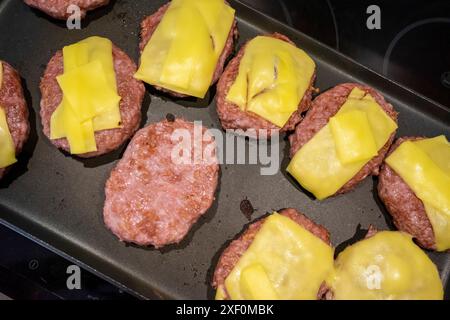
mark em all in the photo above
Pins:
pixel 412 46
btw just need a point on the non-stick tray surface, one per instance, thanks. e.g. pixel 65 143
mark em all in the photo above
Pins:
pixel 58 200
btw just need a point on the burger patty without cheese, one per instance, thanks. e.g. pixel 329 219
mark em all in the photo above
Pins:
pixel 151 197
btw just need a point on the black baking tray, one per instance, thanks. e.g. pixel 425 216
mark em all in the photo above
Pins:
pixel 57 200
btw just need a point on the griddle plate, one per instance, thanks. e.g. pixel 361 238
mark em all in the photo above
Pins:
pixel 59 199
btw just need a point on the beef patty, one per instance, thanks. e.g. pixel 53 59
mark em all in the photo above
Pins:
pixel 152 199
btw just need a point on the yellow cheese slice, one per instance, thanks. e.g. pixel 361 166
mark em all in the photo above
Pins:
pixel 7 147
pixel 80 135
pixel 272 79
pixel 440 223
pixel 317 165
pixel 353 136
pixel 220 293
pixel 284 261
pixel 180 68
pixel 91 49
pixel 438 150
pixel 424 166
pixel 381 124
pixel 256 285
pixel 183 52
pixel 385 266
pixel 90 98
pixel 87 90
pixel 75 55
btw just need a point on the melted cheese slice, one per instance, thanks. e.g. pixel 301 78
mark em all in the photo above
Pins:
pixel 221 293
pixel 343 146
pixel 256 285
pixel 183 52
pixel 272 79
pixel 386 266
pixel 7 147
pixel 284 261
pixel 90 100
pixel 425 166
pixel 353 137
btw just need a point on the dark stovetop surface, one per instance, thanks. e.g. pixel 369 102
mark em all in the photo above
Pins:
pixel 412 47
